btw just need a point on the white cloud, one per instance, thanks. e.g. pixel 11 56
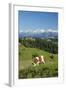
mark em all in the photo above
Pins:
pixel 50 30
pixel 24 31
pixel 20 31
pixel 38 31
pixel 42 30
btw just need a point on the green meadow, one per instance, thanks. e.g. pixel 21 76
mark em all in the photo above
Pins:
pixel 26 68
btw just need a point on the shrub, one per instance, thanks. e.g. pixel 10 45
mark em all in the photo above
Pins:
pixel 51 56
pixel 41 71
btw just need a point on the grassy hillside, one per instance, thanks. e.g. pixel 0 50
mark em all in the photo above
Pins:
pixel 50 68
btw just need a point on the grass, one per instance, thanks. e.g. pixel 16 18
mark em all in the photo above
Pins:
pixel 26 69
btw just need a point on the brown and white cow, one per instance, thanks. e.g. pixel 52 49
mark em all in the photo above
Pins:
pixel 41 59
pixel 38 60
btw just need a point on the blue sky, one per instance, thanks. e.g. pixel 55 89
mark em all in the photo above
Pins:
pixel 31 21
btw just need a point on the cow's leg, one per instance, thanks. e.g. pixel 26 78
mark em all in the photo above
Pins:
pixel 43 62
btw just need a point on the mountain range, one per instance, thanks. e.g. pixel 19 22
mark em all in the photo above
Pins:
pixel 38 35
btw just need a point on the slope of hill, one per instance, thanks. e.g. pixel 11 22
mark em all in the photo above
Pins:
pixel 25 61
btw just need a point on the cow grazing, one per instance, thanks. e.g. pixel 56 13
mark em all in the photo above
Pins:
pixel 42 59
pixel 38 60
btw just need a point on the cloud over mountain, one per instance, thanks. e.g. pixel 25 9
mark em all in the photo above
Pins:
pixel 36 31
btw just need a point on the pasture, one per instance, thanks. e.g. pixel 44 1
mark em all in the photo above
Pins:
pixel 26 68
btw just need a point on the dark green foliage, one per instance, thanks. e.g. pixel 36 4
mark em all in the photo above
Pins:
pixel 51 56
pixel 43 44
pixel 40 71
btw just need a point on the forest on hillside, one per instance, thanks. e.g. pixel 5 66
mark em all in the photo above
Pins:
pixel 50 45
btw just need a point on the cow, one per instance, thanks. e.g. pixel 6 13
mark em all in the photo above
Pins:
pixel 41 59
pixel 38 60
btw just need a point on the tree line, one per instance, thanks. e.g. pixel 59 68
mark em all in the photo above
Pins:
pixel 43 44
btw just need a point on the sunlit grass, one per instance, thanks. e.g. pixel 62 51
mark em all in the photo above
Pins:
pixel 26 69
